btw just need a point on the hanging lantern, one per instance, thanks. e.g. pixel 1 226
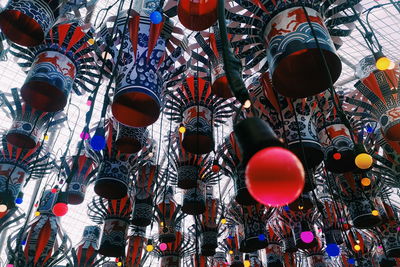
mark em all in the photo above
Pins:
pixel 27 22
pixel 46 243
pixel 63 63
pixel 168 216
pixel 292 36
pixel 285 234
pixel 115 215
pixel 144 192
pixel 361 245
pixel 114 169
pixel 332 223
pixel 211 58
pixel 210 223
pixel 231 246
pixel 360 201
pixel 380 96
pixel 81 168
pixel 85 252
pixel 197 15
pixel 199 111
pixel 388 232
pixel 28 123
pixel 274 254
pixel 252 219
pixel 130 139
pixel 17 164
pixel 136 242
pixel 194 199
pixel 187 168
pixel 144 66
pixel 219 259
pixel 316 254
pixel 174 251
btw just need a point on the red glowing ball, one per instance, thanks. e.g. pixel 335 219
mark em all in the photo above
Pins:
pixel 215 168
pixel 60 209
pixel 337 156
pixel 275 176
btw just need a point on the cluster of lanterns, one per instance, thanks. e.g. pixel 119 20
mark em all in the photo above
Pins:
pixel 307 170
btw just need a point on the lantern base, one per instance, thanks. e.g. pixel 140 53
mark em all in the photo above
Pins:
pixel 342 165
pixel 75 198
pixel 20 140
pixel 393 253
pixel 110 188
pixel 135 109
pixel 111 250
pixel 43 96
pixel 207 252
pixel 198 144
pixel 197 16
pixel 167 238
pixel 252 244
pixel 20 28
pixel 367 221
pixel 309 80
pixel 313 154
pixel 393 133
pixel 193 207
pixel 128 145
pixel 221 88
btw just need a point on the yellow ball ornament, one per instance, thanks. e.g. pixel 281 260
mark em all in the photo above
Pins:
pixel 363 161
pixel 246 263
pixel 383 63
pixel 366 181
pixel 357 247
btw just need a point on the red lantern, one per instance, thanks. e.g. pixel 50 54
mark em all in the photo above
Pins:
pixel 60 209
pixel 275 176
pixel 197 15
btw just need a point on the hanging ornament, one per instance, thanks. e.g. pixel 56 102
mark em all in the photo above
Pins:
pixel 380 97
pixel 28 123
pixel 146 64
pixel 85 252
pixel 292 36
pixel 64 62
pixel 82 168
pixel 136 242
pixel 199 111
pixel 130 140
pixel 114 214
pixel 197 15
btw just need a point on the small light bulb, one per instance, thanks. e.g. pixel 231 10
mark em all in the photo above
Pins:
pixel 363 161
pixel 3 208
pixel 149 248
pixel 230 252
pixel 375 212
pixel 37 213
pixel 366 181
pixel 300 207
pixel 91 41
pixel 247 104
pixel 182 129
pixel 223 221
pixel 151 154
pixel 246 263
pixel 46 137
pixel 392 65
pixel 357 247
pixel 119 263
pixel 161 224
pixel 383 63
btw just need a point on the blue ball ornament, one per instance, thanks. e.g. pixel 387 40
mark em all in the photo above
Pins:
pixel 156 17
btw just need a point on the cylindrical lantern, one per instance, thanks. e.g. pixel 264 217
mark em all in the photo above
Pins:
pixel 63 63
pixel 28 123
pixel 380 96
pixel 86 251
pixel 194 199
pixel 115 215
pixel 130 139
pixel 211 58
pixel 293 52
pixel 81 169
pixel 112 179
pixel 144 192
pixel 187 176
pixel 27 22
pixel 198 110
pixel 197 15
pixel 274 255
pixel 144 67
pixel 136 246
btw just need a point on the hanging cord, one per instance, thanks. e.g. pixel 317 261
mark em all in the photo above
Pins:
pixel 96 90
pixel 331 88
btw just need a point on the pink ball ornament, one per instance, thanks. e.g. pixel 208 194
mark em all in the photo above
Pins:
pixel 275 176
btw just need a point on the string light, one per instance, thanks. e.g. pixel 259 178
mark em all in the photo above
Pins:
pixel 230 252
pixel 247 104
pixel 363 161
pixel 149 248
pixel 375 212
pixel 366 181
pixel 182 129
pixel 337 156
pixel 37 213
pixel 223 221
pixel 119 263
pixel 357 247
pixel 3 208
